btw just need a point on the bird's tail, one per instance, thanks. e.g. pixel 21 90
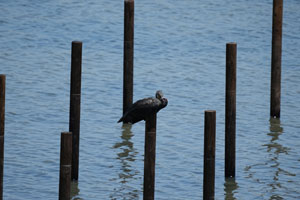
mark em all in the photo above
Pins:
pixel 120 120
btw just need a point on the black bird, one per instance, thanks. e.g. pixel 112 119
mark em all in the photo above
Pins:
pixel 143 108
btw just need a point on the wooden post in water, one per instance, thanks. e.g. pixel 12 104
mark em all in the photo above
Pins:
pixel 75 92
pixel 65 166
pixel 128 54
pixel 2 123
pixel 149 160
pixel 276 58
pixel 230 109
pixel 209 154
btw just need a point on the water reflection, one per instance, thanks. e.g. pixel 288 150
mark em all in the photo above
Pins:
pixel 274 148
pixel 230 186
pixel 75 190
pixel 126 155
pixel 269 173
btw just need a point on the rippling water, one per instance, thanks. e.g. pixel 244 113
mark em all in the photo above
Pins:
pixel 179 48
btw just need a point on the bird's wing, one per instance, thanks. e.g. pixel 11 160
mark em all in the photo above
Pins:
pixel 146 103
pixel 140 109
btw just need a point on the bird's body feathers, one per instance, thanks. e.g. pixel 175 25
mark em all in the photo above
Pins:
pixel 143 108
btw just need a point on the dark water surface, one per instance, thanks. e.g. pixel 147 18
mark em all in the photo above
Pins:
pixel 180 49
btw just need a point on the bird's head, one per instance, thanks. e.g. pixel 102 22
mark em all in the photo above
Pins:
pixel 159 94
pixel 164 102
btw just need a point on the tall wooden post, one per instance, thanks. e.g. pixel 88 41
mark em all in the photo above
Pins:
pixel 128 54
pixel 2 123
pixel 75 93
pixel 149 160
pixel 230 109
pixel 65 166
pixel 209 154
pixel 276 58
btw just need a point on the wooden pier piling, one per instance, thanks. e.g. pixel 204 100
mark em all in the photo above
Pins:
pixel 65 166
pixel 128 54
pixel 75 93
pixel 276 58
pixel 2 123
pixel 230 110
pixel 149 160
pixel 209 154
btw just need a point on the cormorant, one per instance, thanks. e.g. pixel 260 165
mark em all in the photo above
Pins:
pixel 143 108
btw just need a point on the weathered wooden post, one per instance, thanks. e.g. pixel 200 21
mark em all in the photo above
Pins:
pixel 128 54
pixel 75 93
pixel 65 166
pixel 276 58
pixel 2 123
pixel 230 109
pixel 149 160
pixel 209 154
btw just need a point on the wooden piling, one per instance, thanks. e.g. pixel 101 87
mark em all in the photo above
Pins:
pixel 230 109
pixel 276 58
pixel 128 54
pixel 65 166
pixel 2 123
pixel 209 154
pixel 149 160
pixel 75 93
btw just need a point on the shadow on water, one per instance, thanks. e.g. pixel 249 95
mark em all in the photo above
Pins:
pixel 229 188
pixel 127 156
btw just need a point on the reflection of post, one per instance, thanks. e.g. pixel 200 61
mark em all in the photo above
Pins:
pixel 275 127
pixel 74 190
pixel 262 171
pixel 229 187
pixel 275 149
pixel 149 161
pixel 275 131
pixel 126 155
